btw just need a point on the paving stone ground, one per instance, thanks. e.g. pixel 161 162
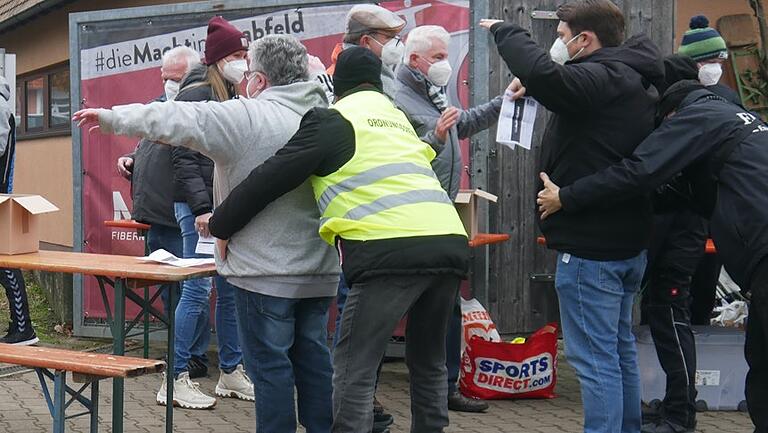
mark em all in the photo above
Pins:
pixel 23 409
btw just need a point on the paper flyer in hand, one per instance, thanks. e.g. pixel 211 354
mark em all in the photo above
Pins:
pixel 516 122
pixel 166 258
pixel 205 245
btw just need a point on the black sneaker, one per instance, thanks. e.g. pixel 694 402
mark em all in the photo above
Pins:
pixel 459 403
pixel 653 412
pixel 197 368
pixel 381 419
pixel 666 426
pixel 15 337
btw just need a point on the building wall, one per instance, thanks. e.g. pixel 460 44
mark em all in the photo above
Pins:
pixel 44 166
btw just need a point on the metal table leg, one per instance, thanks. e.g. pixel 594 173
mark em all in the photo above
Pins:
pixel 95 406
pixel 169 377
pixel 146 324
pixel 59 400
pixel 118 335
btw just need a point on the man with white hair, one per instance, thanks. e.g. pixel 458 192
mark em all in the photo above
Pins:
pixel 284 275
pixel 420 92
pixel 150 170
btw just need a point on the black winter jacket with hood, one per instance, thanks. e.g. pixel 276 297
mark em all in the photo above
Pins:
pixel 193 171
pixel 603 106
pixel 692 137
pixel 152 186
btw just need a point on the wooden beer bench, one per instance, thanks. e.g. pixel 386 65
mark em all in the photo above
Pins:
pixel 86 368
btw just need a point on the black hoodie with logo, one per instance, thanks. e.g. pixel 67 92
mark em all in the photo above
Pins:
pixel 603 106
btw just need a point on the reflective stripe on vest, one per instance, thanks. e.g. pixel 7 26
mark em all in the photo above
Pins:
pixel 368 177
pixel 387 189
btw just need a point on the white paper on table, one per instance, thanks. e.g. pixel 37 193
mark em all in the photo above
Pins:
pixel 205 245
pixel 166 258
pixel 516 122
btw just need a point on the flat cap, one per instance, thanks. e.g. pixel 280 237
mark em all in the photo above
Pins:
pixel 367 17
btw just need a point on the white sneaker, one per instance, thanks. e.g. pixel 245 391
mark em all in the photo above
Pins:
pixel 235 384
pixel 186 394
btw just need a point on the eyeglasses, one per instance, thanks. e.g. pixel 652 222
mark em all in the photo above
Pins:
pixel 389 37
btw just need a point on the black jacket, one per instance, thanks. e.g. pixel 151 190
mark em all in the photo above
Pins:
pixel 325 142
pixel 603 106
pixel 693 137
pixel 152 186
pixel 192 171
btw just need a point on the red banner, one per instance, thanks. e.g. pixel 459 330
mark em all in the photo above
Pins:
pixel 121 67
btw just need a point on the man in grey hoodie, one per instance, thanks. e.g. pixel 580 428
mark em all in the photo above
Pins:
pixel 20 330
pixel 285 275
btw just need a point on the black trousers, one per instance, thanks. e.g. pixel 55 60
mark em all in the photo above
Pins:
pixel 15 290
pixel 676 250
pixel 756 351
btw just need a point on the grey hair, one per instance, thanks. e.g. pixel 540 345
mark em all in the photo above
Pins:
pixel 182 53
pixel 282 58
pixel 420 39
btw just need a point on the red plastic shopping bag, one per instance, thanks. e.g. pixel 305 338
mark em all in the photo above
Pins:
pixel 501 370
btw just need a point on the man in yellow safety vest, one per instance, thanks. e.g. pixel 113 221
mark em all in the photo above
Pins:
pixel 402 245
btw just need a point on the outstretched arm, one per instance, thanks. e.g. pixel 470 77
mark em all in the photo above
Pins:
pixel 323 143
pixel 211 128
pixel 680 141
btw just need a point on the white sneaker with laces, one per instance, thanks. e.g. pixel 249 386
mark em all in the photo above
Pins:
pixel 186 394
pixel 236 384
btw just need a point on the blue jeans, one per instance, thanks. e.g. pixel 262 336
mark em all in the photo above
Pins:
pixel 193 312
pixel 596 299
pixel 284 346
pixel 169 239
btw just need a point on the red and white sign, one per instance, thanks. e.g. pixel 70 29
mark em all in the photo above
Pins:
pixel 119 70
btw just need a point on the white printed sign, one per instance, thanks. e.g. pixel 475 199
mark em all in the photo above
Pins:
pixel 516 122
pixel 707 377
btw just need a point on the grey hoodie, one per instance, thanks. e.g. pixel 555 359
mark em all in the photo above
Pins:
pixel 6 112
pixel 279 253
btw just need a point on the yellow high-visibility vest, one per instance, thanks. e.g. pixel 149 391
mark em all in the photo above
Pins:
pixel 388 189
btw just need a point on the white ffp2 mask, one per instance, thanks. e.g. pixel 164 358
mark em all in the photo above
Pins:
pixel 559 50
pixel 439 73
pixel 234 71
pixel 710 73
pixel 392 52
pixel 171 89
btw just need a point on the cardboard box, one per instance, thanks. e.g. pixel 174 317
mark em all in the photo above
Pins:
pixel 19 222
pixel 466 204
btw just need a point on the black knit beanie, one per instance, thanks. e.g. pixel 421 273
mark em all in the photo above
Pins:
pixel 677 68
pixel 356 66
pixel 674 96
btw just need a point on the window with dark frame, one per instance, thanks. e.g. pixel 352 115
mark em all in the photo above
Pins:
pixel 42 103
